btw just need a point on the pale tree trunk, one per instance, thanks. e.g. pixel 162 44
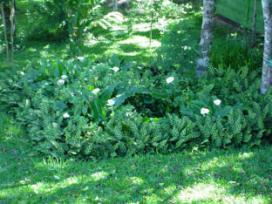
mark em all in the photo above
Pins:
pixel 5 29
pixel 115 5
pixel 206 37
pixel 12 27
pixel 267 53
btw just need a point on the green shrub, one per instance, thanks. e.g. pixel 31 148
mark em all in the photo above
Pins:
pixel 58 20
pixel 93 111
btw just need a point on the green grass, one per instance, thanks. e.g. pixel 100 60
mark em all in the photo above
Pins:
pixel 218 176
pixel 206 177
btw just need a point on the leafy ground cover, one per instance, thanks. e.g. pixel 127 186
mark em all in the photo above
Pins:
pixel 232 176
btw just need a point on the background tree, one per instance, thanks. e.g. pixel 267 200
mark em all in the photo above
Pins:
pixel 267 53
pixel 8 18
pixel 206 36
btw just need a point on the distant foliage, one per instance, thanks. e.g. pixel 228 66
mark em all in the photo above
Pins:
pixel 92 111
pixel 179 45
pixel 57 20
pixel 233 51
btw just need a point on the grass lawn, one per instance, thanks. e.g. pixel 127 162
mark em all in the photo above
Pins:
pixel 226 176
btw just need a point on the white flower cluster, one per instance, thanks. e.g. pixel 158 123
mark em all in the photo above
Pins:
pixel 111 102
pixel 66 115
pixel 115 69
pixel 96 91
pixel 62 80
pixel 217 102
pixel 169 80
pixel 206 111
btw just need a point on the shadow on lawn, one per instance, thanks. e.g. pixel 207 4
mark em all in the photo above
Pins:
pixel 209 177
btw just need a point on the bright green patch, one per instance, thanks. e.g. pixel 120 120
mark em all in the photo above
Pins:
pixel 208 177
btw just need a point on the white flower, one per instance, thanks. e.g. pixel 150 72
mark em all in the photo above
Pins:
pixel 204 111
pixel 61 82
pixel 81 58
pixel 66 115
pixel 55 125
pixel 111 102
pixel 22 73
pixel 217 102
pixel 115 69
pixel 170 80
pixel 129 114
pixel 27 102
pixel 64 77
pixel 96 91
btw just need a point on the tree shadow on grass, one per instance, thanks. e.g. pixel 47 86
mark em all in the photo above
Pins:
pixel 216 176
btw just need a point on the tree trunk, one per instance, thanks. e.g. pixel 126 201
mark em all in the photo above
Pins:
pixel 12 28
pixel 267 53
pixel 8 17
pixel 206 37
pixel 115 5
pixel 254 25
pixel 5 28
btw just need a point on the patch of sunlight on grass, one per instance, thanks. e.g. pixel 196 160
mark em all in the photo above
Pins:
pixel 169 190
pixel 99 175
pixel 114 21
pixel 153 198
pixel 213 163
pixel 199 192
pixel 116 17
pixel 161 25
pixel 40 187
pixel 141 42
pixel 246 155
pixel 211 192
pixel 141 27
pixel 136 180
pixel 37 188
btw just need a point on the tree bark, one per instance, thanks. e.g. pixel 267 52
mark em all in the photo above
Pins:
pixel 267 53
pixel 8 17
pixel 254 25
pixel 5 28
pixel 206 37
pixel 115 5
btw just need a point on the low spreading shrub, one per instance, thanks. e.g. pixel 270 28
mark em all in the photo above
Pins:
pixel 93 111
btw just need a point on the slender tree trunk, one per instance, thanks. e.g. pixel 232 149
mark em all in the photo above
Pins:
pixel 5 29
pixel 206 37
pixel 254 25
pixel 8 17
pixel 12 27
pixel 115 5
pixel 267 53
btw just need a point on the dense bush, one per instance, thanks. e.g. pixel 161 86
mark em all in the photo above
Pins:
pixel 77 108
pixel 61 19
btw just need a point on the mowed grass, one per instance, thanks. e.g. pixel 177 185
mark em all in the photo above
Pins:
pixel 218 176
